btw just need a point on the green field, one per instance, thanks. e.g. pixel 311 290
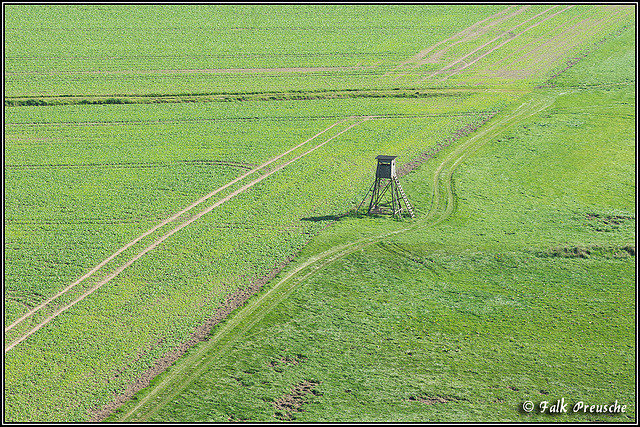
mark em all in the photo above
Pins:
pixel 159 174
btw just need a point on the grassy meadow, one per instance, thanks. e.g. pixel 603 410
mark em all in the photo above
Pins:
pixel 179 157
pixel 526 292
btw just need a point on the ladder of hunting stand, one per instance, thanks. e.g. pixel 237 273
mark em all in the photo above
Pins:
pixel 404 197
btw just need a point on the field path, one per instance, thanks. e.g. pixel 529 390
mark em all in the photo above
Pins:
pixel 168 234
pixel 191 367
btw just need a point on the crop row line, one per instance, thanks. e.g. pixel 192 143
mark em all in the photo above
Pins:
pixel 137 165
pixel 195 71
pixel 170 233
pixel 349 54
pixel 247 119
pixel 87 221
pixel 117 221
pixel 351 28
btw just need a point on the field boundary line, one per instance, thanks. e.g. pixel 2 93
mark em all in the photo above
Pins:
pixel 161 224
pixel 168 234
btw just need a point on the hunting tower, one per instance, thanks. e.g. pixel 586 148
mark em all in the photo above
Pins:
pixel 386 191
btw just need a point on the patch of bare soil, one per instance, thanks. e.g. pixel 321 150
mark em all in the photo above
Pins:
pixel 287 361
pixel 432 400
pixel 291 403
pixel 232 301
pixel 587 251
pixel 610 220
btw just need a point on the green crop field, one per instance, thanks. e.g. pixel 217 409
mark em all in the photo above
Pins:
pixel 179 230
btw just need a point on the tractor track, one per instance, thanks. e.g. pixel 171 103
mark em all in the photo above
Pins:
pixel 149 165
pixel 192 367
pixel 168 234
pixel 450 71
pixel 463 35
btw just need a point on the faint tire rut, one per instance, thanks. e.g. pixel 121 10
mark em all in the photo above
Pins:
pixel 157 242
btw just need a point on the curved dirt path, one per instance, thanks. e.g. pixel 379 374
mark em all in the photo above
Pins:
pixel 194 365
pixel 168 234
